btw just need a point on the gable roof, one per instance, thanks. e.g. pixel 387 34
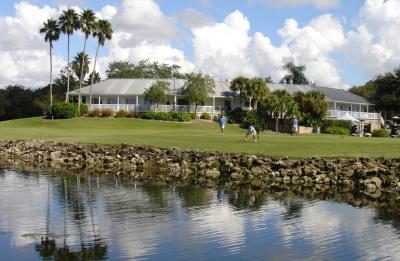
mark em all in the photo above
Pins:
pixel 133 87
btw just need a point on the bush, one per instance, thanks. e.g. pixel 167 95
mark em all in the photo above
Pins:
pixel 381 133
pixel 254 118
pixel 193 116
pixel 205 116
pixel 236 116
pixel 83 109
pixel 332 123
pixel 63 110
pixel 337 131
pixel 107 113
pixel 121 114
pixel 95 113
pixel 167 116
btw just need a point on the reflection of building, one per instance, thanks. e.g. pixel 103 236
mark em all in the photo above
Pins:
pixel 128 95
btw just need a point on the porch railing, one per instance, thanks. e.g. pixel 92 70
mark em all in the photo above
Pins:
pixel 159 108
pixel 355 114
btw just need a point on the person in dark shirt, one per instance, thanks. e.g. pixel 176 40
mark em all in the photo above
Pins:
pixel 253 130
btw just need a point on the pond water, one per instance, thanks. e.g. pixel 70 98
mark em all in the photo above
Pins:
pixel 49 217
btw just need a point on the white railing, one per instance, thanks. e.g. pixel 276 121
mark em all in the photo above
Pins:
pixel 355 114
pixel 159 108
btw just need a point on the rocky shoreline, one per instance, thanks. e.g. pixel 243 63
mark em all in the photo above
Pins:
pixel 211 169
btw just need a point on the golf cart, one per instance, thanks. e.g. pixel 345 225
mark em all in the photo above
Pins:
pixel 395 127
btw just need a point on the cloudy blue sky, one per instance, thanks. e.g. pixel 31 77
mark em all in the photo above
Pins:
pixel 342 43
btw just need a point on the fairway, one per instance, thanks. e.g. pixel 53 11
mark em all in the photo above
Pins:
pixel 202 136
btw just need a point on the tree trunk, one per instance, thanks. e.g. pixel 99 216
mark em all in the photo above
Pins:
pixel 51 78
pixel 276 123
pixel 94 69
pixel 81 78
pixel 250 104
pixel 240 99
pixel 195 108
pixel 66 95
pixel 255 104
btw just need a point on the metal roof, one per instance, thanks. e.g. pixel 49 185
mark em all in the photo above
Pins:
pixel 132 87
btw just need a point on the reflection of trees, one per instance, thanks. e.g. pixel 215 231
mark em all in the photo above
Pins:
pixel 156 194
pixel 389 213
pixel 72 196
pixel 194 197
pixel 293 209
pixel 248 199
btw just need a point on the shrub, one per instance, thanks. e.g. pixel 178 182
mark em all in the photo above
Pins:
pixel 95 113
pixel 63 110
pixel 107 113
pixel 205 116
pixel 83 109
pixel 166 116
pixel 337 130
pixel 381 133
pixel 193 116
pixel 121 114
pixel 332 123
pixel 181 116
pixel 150 115
pixel 236 116
pixel 254 118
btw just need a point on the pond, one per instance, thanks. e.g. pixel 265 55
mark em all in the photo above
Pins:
pixel 69 217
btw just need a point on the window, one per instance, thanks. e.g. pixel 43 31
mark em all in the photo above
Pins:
pixel 95 100
pixel 112 101
pixel 182 102
pixel 130 101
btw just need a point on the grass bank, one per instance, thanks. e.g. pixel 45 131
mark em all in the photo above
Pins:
pixel 196 136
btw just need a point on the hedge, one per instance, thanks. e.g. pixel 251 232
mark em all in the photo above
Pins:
pixel 167 116
pixel 63 110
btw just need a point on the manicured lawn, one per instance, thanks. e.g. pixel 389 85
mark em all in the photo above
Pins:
pixel 197 136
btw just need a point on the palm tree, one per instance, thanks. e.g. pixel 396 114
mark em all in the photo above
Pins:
pixel 240 84
pixel 103 31
pixel 51 33
pixel 79 68
pixel 258 90
pixel 87 23
pixel 296 74
pixel 279 102
pixel 68 22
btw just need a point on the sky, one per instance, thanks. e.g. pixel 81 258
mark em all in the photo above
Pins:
pixel 342 43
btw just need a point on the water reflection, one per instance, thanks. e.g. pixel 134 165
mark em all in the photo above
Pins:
pixel 96 218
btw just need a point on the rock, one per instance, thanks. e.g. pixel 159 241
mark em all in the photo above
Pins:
pixel 212 173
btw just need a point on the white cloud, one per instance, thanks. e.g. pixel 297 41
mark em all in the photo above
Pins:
pixel 194 18
pixel 316 3
pixel 24 55
pixel 374 44
pixel 69 2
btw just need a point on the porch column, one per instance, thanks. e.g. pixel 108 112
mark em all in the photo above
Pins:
pixel 118 103
pixel 174 108
pixel 213 106
pixel 334 110
pixel 99 100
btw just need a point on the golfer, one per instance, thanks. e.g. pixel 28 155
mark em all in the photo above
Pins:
pixel 253 130
pixel 222 122
pixel 295 126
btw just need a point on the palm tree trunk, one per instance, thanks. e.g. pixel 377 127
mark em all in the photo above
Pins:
pixel 66 95
pixel 81 78
pixel 276 123
pixel 250 104
pixel 94 69
pixel 240 98
pixel 51 78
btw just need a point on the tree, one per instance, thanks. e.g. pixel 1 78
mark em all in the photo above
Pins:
pixel 68 22
pixel 103 31
pixel 143 69
pixel 296 74
pixel 279 103
pixel 91 79
pixel 197 88
pixel 314 107
pixel 77 65
pixel 87 24
pixel 64 77
pixel 51 33
pixel 158 92
pixel 240 84
pixel 257 90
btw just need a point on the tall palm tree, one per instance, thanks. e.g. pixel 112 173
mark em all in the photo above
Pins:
pixel 296 74
pixel 87 23
pixel 279 102
pixel 51 33
pixel 103 31
pixel 68 22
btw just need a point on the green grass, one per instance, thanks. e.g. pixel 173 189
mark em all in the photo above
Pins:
pixel 196 136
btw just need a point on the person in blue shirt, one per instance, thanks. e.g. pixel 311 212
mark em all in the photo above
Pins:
pixel 295 126
pixel 222 122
